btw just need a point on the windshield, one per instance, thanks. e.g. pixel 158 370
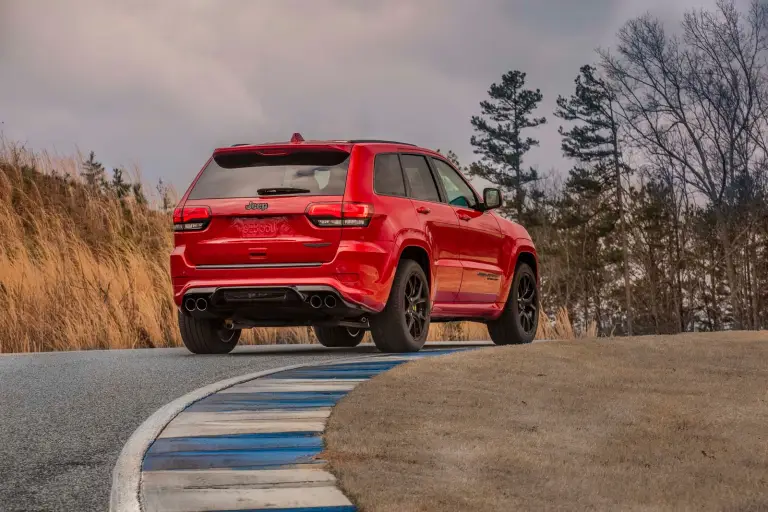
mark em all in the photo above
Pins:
pixel 250 174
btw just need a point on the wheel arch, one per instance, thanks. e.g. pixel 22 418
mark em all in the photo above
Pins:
pixel 523 252
pixel 529 258
pixel 412 248
pixel 420 255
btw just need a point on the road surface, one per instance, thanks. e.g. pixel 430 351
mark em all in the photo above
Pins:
pixel 64 417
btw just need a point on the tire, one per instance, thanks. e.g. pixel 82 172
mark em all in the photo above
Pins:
pixel 399 327
pixel 339 336
pixel 203 336
pixel 512 327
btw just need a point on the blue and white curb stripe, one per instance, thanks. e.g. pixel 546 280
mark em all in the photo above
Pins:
pixel 251 444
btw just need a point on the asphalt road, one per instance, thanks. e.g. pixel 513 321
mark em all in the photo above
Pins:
pixel 64 417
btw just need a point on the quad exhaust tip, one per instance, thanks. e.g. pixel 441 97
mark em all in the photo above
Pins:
pixel 316 301
pixel 191 304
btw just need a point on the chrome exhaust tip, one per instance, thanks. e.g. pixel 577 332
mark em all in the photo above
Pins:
pixel 189 305
pixel 201 304
pixel 316 302
pixel 330 301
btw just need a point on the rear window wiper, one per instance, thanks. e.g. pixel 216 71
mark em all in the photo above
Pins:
pixel 282 190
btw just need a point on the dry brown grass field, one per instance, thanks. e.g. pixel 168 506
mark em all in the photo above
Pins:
pixel 645 423
pixel 84 270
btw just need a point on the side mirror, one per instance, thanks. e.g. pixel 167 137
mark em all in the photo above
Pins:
pixel 491 198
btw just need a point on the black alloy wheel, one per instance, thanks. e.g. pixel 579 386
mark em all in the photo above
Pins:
pixel 526 303
pixel 415 310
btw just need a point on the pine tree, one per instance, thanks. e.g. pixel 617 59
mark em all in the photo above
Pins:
pixel 93 173
pixel 119 186
pixel 500 136
pixel 138 194
pixel 594 140
pixel 583 223
pixel 165 195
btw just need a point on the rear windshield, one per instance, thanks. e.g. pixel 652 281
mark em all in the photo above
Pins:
pixel 243 174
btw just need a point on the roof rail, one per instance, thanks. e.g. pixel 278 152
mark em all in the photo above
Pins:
pixel 242 144
pixel 379 141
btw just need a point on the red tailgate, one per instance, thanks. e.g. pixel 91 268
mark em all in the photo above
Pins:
pixel 250 207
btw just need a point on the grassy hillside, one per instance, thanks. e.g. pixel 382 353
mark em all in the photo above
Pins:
pixel 78 269
pixel 86 266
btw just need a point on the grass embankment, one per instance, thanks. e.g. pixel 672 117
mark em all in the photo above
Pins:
pixel 77 269
pixel 82 269
pixel 646 423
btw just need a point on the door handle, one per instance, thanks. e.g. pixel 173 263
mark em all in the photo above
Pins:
pixel 464 216
pixel 423 209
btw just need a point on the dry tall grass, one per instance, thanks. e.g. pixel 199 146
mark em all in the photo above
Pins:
pixel 83 270
pixel 77 270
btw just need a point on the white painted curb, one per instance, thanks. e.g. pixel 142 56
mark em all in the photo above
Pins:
pixel 126 475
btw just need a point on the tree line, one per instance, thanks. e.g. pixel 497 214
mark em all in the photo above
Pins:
pixel 119 186
pixel 661 223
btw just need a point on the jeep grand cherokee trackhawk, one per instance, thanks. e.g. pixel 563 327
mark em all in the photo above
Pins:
pixel 346 236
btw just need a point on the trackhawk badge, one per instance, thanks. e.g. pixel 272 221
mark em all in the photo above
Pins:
pixel 257 206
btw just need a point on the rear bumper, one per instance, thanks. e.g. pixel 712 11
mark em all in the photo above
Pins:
pixel 360 274
pixel 276 306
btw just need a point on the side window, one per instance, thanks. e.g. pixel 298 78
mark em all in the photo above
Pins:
pixel 459 193
pixel 388 176
pixel 419 178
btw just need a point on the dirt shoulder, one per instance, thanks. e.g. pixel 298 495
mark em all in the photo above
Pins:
pixel 647 423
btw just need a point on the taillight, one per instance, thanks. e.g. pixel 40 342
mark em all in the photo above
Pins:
pixel 334 215
pixel 194 218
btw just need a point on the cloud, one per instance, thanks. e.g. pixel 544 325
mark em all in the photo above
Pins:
pixel 162 83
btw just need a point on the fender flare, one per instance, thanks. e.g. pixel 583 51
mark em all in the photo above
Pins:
pixel 521 245
pixel 401 245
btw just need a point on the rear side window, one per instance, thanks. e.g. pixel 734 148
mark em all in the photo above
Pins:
pixel 245 173
pixel 388 175
pixel 419 178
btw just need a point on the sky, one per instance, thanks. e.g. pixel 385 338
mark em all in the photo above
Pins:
pixel 159 85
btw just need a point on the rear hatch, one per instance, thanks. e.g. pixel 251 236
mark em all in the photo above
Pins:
pixel 253 207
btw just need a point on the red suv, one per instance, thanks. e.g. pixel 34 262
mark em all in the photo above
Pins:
pixel 346 236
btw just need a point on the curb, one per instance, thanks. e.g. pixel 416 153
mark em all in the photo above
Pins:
pixel 126 475
pixel 125 495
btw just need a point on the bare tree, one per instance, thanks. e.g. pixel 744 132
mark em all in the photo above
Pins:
pixel 698 100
